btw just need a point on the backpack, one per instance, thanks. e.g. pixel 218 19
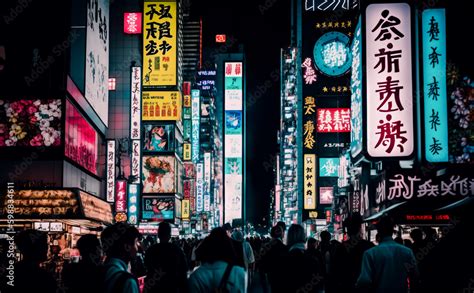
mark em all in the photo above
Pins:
pixel 222 285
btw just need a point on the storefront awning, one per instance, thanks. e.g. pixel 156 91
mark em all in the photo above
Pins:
pixel 458 204
pixel 56 204
pixel 380 213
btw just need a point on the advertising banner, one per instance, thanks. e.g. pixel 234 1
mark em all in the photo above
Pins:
pixel 97 58
pixel 161 106
pixel 160 22
pixel 158 174
pixel 82 141
pixel 390 118
pixel 158 138
pixel 135 103
pixel 157 209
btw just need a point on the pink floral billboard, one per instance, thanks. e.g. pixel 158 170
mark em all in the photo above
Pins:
pixel 30 123
pixel 81 140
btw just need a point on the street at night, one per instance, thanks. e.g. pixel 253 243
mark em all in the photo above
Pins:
pixel 253 146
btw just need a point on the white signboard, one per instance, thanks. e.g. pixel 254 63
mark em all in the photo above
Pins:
pixel 389 80
pixel 233 146
pixel 135 103
pixel 111 170
pixel 97 58
pixel 233 200
pixel 207 181
pixel 199 187
pixel 135 165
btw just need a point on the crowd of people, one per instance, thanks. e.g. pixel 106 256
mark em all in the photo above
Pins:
pixel 225 261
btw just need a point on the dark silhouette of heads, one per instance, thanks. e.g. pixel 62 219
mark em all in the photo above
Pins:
pixel 164 232
pixel 416 235
pixel 120 240
pixel 295 235
pixel 385 227
pixel 216 247
pixel 90 248
pixel 276 232
pixel 325 236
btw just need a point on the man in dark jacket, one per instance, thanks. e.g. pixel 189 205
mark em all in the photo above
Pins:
pixel 271 257
pixel 166 265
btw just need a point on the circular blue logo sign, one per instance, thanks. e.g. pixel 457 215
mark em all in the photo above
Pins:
pixel 332 53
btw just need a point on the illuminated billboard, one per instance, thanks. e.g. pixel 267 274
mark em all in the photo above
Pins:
pixel 82 140
pixel 195 104
pixel 160 22
pixel 135 104
pixel 389 87
pixel 326 195
pixel 434 85
pixel 199 187
pixel 328 167
pixel 157 209
pixel 334 120
pixel 97 58
pixel 233 140
pixel 158 138
pixel 158 174
pixel 356 93
pixel 30 123
pixel 309 181
pixel 161 105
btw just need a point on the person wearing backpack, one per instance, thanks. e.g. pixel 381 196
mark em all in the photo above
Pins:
pixel 218 272
pixel 120 244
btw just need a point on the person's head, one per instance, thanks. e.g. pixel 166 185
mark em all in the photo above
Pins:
pixel 159 131
pixel 399 240
pixel 407 243
pixel 385 227
pixel 325 236
pixel 216 247
pixel 353 224
pixel 90 248
pixel 164 232
pixel 416 235
pixel 430 234
pixel 120 240
pixel 282 225
pixel 276 232
pixel 238 236
pixel 311 244
pixel 295 235
pixel 33 245
pixel 228 229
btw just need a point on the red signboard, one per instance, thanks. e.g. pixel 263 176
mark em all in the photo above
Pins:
pixel 82 142
pixel 220 38
pixel 132 23
pixel 121 196
pixel 334 120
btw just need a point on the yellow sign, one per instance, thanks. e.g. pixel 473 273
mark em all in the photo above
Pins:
pixel 187 101
pixel 313 214
pixel 309 182
pixel 186 151
pixel 185 209
pixel 159 43
pixel 161 106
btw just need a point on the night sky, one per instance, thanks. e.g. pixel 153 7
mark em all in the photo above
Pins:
pixel 264 27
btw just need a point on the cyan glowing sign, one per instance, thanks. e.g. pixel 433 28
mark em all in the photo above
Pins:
pixel 328 167
pixel 195 106
pixel 356 92
pixel 434 85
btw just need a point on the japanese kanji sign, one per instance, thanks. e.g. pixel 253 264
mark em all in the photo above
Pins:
pixel 121 196
pixel 110 170
pixel 434 85
pixel 196 122
pixel 309 174
pixel 328 167
pixel 135 164
pixel 334 120
pixel 161 106
pixel 132 209
pixel 135 103
pixel 132 23
pixel 356 92
pixel 389 80
pixel 199 187
pixel 309 127
pixel 404 186
pixel 160 43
